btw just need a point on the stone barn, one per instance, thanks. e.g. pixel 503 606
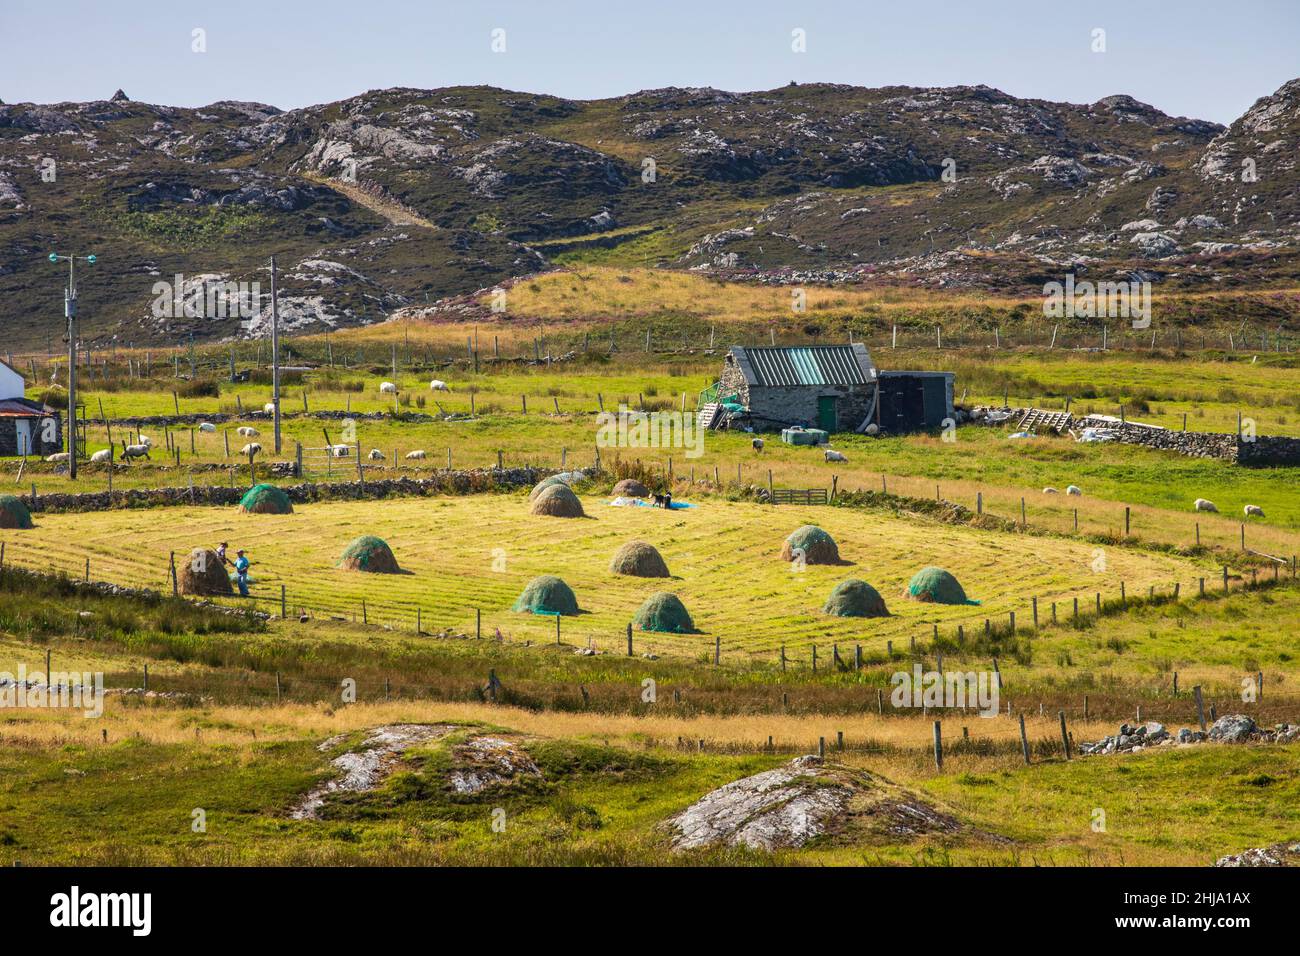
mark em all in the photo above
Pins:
pixel 25 425
pixel 836 388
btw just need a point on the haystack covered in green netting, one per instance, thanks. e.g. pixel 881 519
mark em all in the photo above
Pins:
pixel 937 586
pixel 855 598
pixel 664 612
pixel 639 559
pixel 817 546
pixel 631 488
pixel 368 553
pixel 265 500
pixel 203 572
pixel 13 513
pixel 558 501
pixel 547 595
pixel 542 486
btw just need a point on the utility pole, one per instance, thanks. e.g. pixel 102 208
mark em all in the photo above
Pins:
pixel 275 357
pixel 70 311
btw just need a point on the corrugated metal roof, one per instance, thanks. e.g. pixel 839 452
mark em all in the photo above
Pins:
pixel 22 408
pixel 807 365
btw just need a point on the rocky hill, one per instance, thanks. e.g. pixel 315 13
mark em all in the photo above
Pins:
pixel 399 196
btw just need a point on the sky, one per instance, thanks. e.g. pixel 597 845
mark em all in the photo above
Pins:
pixel 1201 58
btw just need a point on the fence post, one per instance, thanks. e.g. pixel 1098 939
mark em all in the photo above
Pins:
pixel 176 590
pixel 1200 707
pixel 1065 736
pixel 1024 740
pixel 938 746
pixel 478 623
pixel 284 613
pixel 629 639
pixel 717 651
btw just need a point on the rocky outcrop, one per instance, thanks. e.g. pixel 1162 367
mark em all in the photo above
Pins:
pixel 1279 854
pixel 1229 729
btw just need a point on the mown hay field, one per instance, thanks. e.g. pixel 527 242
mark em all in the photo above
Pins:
pixel 460 555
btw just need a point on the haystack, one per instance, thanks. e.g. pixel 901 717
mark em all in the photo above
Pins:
pixel 631 488
pixel 558 501
pixel 664 612
pixel 855 598
pixel 817 546
pixel 547 595
pixel 543 485
pixel 368 553
pixel 640 560
pixel 203 573
pixel 265 500
pixel 13 513
pixel 937 586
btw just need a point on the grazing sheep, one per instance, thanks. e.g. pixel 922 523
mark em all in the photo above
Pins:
pixel 376 455
pixel 438 385
pixel 1073 490
pixel 246 431
pixel 207 427
pixel 57 456
pixel 415 455
pixel 1203 504
pixel 340 451
pixel 872 429
pixel 758 444
pixel 144 440
pixel 387 388
pixel 1049 490
pixel 269 408
pixel 252 448
pixel 832 455
pixel 135 451
pixel 104 454
pixel 1255 510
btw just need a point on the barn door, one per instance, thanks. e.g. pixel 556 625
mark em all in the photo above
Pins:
pixel 24 445
pixel 827 420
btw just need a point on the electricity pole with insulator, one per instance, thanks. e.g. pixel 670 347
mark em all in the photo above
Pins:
pixel 70 312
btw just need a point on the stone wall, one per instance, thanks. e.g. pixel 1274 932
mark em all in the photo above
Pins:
pixel 1261 451
pixel 774 406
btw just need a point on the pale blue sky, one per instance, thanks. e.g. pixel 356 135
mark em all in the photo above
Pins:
pixel 1204 58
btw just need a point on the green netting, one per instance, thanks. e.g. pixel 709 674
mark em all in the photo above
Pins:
pixel 816 546
pixel 855 598
pixel 266 499
pixel 368 553
pixel 664 612
pixel 547 595
pixel 13 513
pixel 938 586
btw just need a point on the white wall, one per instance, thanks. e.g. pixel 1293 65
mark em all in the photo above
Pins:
pixel 11 383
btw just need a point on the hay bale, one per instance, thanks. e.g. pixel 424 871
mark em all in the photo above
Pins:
pixel 547 595
pixel 13 513
pixel 817 546
pixel 665 613
pixel 203 573
pixel 640 560
pixel 558 501
pixel 368 553
pixel 265 500
pixel 631 488
pixel 855 598
pixel 543 485
pixel 937 586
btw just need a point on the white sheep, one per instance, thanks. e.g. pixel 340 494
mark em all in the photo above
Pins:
pixel 104 454
pixel 269 408
pixel 872 429
pixel 207 427
pixel 252 448
pixel 832 455
pixel 57 456
pixel 246 431
pixel 144 440
pixel 1073 490
pixel 1049 490
pixel 340 451
pixel 136 451
pixel 376 455
pixel 387 388
pixel 1204 504
pixel 1255 510
pixel 415 455
pixel 438 385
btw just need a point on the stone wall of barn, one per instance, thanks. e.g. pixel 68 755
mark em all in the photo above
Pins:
pixel 773 407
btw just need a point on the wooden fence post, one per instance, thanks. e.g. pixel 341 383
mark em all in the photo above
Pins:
pixel 938 745
pixel 1024 740
pixel 629 639
pixel 1200 707
pixel 1065 736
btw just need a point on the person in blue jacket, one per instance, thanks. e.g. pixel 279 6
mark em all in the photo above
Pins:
pixel 241 572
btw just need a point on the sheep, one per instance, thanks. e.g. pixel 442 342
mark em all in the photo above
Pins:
pixel 340 451
pixel 57 456
pixel 873 429
pixel 1073 490
pixel 104 454
pixel 136 451
pixel 252 448
pixel 1204 504
pixel 438 385
pixel 269 408
pixel 207 427
pixel 1255 510
pixel 387 388
pixel 1049 490
pixel 415 455
pixel 246 431
pixel 144 440
pixel 758 444
pixel 832 455
pixel 376 455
